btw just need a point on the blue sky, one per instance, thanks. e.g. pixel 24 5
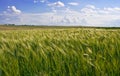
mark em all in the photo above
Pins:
pixel 60 12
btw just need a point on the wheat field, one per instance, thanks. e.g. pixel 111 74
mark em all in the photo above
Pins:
pixel 60 52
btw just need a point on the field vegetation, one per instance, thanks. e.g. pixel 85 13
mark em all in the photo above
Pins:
pixel 60 52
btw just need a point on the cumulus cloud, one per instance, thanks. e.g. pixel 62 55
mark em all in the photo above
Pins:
pixel 56 4
pixel 13 9
pixel 73 3
pixel 89 10
pixel 89 15
pixel 90 6
pixel 11 15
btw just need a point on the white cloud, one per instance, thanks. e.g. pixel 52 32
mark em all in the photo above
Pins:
pixel 73 3
pixel 35 1
pixel 13 9
pixel 115 10
pixel 90 6
pixel 56 4
pixel 89 15
pixel 10 18
pixel 11 15
pixel 42 1
pixel 89 10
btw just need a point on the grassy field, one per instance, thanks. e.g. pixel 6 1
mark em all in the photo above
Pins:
pixel 59 52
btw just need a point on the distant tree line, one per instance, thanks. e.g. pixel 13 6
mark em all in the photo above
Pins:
pixel 10 24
